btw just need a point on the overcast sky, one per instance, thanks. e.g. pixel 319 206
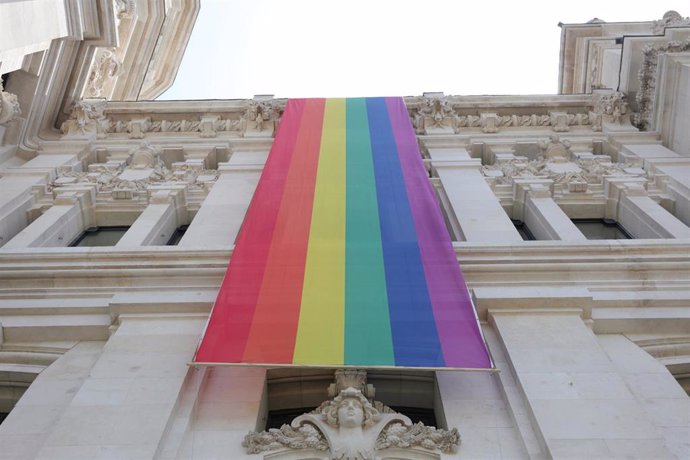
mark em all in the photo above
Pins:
pixel 329 48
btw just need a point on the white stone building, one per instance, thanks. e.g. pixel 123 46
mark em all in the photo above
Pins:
pixel 588 322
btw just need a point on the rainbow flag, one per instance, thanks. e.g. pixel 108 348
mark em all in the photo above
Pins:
pixel 344 258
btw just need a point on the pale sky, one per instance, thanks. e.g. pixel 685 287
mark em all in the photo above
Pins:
pixel 329 48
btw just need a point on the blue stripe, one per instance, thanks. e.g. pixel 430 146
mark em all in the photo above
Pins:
pixel 415 339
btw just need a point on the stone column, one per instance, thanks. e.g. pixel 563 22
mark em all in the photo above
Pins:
pixel 155 226
pixel 123 408
pixel 218 221
pixel 72 213
pixel 580 403
pixel 545 219
pixel 474 205
pixel 629 204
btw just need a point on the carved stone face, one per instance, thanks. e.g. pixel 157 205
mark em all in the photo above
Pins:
pixel 350 413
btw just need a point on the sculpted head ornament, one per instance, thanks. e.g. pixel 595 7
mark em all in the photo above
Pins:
pixel 350 409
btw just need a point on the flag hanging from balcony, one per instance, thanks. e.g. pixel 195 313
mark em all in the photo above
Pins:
pixel 344 258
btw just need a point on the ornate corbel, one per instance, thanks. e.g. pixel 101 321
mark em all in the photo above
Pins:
pixel 87 120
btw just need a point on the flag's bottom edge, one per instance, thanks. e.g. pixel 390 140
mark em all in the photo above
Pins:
pixel 345 366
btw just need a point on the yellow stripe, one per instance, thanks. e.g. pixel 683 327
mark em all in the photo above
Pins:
pixel 321 329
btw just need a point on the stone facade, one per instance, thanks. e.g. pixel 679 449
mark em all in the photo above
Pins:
pixel 590 338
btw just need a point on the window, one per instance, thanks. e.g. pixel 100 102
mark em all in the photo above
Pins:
pixel 523 230
pixel 601 229
pixel 100 236
pixel 177 236
pixel 278 418
pixel 293 392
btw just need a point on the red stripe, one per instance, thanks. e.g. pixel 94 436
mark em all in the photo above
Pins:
pixel 274 327
pixel 228 328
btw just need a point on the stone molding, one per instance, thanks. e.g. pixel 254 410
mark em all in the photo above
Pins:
pixel 91 118
pixel 441 115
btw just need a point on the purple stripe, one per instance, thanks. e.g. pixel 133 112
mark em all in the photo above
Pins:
pixel 461 341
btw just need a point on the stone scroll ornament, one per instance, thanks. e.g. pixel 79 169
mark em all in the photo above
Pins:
pixel 350 427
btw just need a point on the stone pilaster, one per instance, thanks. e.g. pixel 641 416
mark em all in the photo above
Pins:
pixel 476 208
pixel 126 403
pixel 580 404
pixel 72 213
pixel 629 204
pixel 220 217
pixel 533 204
pixel 154 227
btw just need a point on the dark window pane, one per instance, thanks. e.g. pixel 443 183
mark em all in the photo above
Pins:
pixel 278 418
pixel 100 236
pixel 601 230
pixel 418 414
pixel 177 236
pixel 523 230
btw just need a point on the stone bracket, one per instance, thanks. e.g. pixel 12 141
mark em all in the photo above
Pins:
pixel 522 188
pixel 615 186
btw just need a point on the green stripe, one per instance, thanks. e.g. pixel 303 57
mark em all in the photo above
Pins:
pixel 368 339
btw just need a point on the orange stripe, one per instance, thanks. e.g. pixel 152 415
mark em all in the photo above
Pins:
pixel 274 327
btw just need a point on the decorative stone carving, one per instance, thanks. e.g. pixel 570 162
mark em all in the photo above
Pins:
pixel 259 118
pixel 303 437
pixel 670 19
pixel 87 118
pixel 566 172
pixel 9 106
pixel 555 150
pixel 609 107
pixel 559 121
pixel 355 378
pixel 434 114
pixel 648 76
pixel 437 116
pixel 145 156
pixel 125 8
pixel 398 435
pixel 106 65
pixel 350 427
pixel 489 122
pixel 145 169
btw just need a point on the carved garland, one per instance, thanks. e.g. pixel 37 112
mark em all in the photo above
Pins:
pixel 648 75
pixel 439 113
pixel 88 116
